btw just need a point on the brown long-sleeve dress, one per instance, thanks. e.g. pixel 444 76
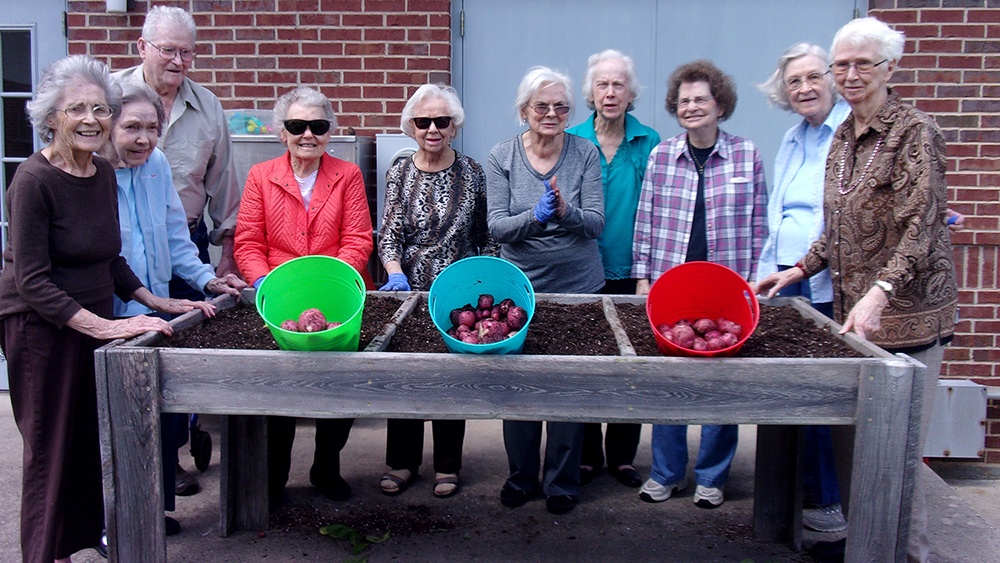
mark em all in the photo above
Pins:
pixel 62 255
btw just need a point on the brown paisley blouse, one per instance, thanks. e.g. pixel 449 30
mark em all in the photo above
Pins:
pixel 432 219
pixel 885 211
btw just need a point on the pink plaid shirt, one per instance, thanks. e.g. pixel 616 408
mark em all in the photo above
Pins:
pixel 735 207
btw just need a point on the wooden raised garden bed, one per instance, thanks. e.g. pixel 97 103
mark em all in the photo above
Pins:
pixel 877 394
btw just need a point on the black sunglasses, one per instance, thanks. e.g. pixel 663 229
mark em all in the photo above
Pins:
pixel 298 126
pixel 425 122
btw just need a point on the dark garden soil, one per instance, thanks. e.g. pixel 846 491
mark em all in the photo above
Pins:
pixel 555 329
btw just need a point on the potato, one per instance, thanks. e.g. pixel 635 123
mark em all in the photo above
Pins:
pixel 312 320
pixel 291 325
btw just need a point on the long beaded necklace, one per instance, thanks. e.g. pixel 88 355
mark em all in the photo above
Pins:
pixel 864 172
pixel 699 165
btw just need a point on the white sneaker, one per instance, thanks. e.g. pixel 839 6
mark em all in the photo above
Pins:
pixel 827 518
pixel 654 492
pixel 707 497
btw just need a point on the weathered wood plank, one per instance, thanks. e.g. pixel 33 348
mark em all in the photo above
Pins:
pixel 885 458
pixel 615 389
pixel 243 492
pixel 107 450
pixel 136 493
pixel 187 320
pixel 777 491
pixel 611 314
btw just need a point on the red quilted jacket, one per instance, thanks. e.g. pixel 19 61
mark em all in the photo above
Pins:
pixel 273 225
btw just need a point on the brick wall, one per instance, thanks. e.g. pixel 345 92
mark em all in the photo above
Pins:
pixel 951 70
pixel 367 56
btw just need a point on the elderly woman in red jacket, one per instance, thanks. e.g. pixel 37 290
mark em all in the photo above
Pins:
pixel 303 203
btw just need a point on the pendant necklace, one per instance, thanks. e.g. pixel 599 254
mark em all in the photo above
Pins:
pixel 699 165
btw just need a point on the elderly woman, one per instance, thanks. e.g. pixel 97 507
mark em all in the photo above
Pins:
pixel 435 215
pixel 550 231
pixel 885 237
pixel 611 87
pixel 304 202
pixel 803 83
pixel 61 269
pixel 703 198
pixel 154 233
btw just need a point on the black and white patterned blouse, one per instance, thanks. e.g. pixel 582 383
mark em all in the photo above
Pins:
pixel 434 218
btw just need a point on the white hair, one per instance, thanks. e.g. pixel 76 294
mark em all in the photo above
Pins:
pixel 433 91
pixel 141 92
pixel 888 42
pixel 774 88
pixel 535 79
pixel 57 77
pixel 609 54
pixel 304 96
pixel 167 17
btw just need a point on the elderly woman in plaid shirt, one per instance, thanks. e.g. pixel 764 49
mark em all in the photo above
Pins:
pixel 703 198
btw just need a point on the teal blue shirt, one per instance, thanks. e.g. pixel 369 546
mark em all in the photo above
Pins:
pixel 622 184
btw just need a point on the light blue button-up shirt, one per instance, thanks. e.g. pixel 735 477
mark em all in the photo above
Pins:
pixel 790 159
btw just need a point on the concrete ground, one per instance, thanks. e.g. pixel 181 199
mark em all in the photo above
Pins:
pixel 610 524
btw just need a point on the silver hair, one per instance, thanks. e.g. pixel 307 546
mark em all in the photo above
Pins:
pixel 167 17
pixel 432 91
pixel 142 92
pixel 633 79
pixel 57 77
pixel 534 80
pixel 774 88
pixel 888 42
pixel 304 96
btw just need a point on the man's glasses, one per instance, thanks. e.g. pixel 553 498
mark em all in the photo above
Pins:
pixel 862 66
pixel 80 111
pixel 168 53
pixel 813 79
pixel 298 126
pixel 543 109
pixel 425 122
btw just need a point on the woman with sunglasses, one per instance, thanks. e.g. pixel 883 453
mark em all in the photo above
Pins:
pixel 304 202
pixel 545 204
pixel 435 214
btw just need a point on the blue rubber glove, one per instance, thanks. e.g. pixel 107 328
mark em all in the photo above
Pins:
pixel 397 282
pixel 260 280
pixel 545 209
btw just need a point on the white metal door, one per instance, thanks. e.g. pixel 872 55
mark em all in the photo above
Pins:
pixel 31 38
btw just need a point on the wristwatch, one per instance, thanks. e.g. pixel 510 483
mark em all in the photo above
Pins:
pixel 886 286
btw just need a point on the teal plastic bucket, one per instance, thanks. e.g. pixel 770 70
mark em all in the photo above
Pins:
pixel 463 282
pixel 321 282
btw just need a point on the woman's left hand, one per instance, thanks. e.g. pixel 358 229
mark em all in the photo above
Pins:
pixel 230 284
pixel 179 306
pixel 865 317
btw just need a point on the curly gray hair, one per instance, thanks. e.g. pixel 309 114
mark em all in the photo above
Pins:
pixel 633 79
pixel 432 91
pixel 57 77
pixel 774 88
pixel 304 96
pixel 888 42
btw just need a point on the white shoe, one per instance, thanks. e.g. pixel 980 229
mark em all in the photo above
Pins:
pixel 829 518
pixel 707 497
pixel 652 491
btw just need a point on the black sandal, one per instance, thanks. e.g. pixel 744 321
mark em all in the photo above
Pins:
pixel 401 484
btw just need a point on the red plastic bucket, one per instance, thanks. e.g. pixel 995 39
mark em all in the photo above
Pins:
pixel 696 290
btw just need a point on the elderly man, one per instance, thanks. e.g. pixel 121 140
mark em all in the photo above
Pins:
pixel 195 139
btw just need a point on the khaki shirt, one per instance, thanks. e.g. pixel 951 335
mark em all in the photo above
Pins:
pixel 885 218
pixel 199 150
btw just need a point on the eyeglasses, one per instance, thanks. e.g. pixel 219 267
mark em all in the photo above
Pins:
pixel 543 109
pixel 425 122
pixel 80 111
pixel 700 101
pixel 168 53
pixel 813 79
pixel 862 66
pixel 298 126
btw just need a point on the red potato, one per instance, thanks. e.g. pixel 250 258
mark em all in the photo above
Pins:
pixel 332 325
pixel 485 301
pixel 510 334
pixel 312 320
pixel 683 335
pixel 506 305
pixel 291 325
pixel 663 328
pixel 517 317
pixel 470 338
pixel 467 318
pixel 496 314
pixel 699 344
pixel 704 326
pixel 731 327
pixel 713 334
pixel 453 316
pixel 729 339
pixel 490 331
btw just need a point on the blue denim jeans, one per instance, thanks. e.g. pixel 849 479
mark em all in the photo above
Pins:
pixel 715 454
pixel 818 467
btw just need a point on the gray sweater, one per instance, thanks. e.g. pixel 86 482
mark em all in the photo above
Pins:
pixel 560 256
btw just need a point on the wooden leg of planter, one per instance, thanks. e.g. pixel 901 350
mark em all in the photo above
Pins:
pixel 885 458
pixel 777 504
pixel 130 451
pixel 243 501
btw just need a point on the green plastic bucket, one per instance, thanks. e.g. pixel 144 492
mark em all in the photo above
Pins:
pixel 463 282
pixel 322 282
